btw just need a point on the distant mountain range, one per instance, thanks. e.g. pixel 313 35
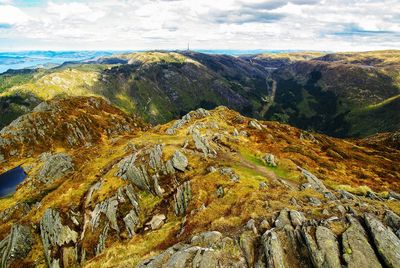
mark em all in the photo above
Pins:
pixel 47 59
pixel 342 94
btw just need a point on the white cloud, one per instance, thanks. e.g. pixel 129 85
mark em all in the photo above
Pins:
pixel 228 24
pixel 12 15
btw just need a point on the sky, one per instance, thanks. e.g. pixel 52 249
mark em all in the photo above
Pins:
pixel 334 25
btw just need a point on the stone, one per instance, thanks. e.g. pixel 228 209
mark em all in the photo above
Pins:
pixel 341 209
pixel 394 195
pixel 317 184
pixel 246 242
pixel 211 169
pixel 55 234
pixel 131 221
pixel 199 113
pixel 157 221
pixel 179 161
pixel 264 225
pixel 205 258
pixel 220 191
pixel 346 195
pixel 16 245
pixel 270 159
pixel 101 244
pixel 314 201
pixel 283 219
pixel 182 198
pixel 386 242
pixel 324 252
pixel 274 252
pixel 251 225
pixel 325 212
pixel 393 220
pixel 235 132
pixel 297 218
pixel 372 195
pixel 263 185
pixel 357 252
pixel 206 239
pixel 201 143
pixel 255 125
pixel 55 167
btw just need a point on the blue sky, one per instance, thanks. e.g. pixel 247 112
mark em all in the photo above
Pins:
pixel 336 25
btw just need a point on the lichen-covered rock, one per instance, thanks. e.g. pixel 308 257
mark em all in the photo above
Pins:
pixel 182 198
pixel 357 252
pixel 283 219
pixel 255 125
pixel 101 245
pixel 324 252
pixel 297 218
pixel 157 221
pixel 317 184
pixel 55 167
pixel 199 113
pixel 275 256
pixel 386 242
pixel 16 245
pixel 55 235
pixel 270 159
pixel 202 144
pixel 138 175
pixel 393 220
pixel 179 161
pixel 206 239
pixel 246 241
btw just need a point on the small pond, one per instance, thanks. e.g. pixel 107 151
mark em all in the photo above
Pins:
pixel 9 180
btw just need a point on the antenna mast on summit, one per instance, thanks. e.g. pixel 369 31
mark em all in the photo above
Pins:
pixel 188 46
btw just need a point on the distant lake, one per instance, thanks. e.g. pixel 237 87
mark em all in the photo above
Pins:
pixel 10 180
pixel 48 59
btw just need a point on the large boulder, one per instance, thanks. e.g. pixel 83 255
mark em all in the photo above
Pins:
pixel 357 252
pixel 179 161
pixel 16 245
pixel 55 235
pixel 386 242
pixel 55 167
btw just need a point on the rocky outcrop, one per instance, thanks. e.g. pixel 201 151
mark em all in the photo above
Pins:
pixel 273 250
pixel 182 198
pixel 70 122
pixel 386 242
pixel 317 184
pixel 255 125
pixel 157 221
pixel 357 252
pixel 55 235
pixel 109 208
pixel 270 159
pixel 55 167
pixel 393 220
pixel 179 161
pixel 16 245
pixel 205 250
pixel 201 143
pixel 178 124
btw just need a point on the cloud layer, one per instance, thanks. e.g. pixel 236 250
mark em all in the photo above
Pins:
pixel 206 24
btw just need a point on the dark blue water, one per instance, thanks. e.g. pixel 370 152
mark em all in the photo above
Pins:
pixel 10 179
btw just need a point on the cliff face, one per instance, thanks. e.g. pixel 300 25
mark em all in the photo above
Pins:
pixel 212 188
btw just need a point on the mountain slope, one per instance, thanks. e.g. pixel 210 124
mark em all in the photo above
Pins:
pixel 131 195
pixel 341 94
pixel 353 94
